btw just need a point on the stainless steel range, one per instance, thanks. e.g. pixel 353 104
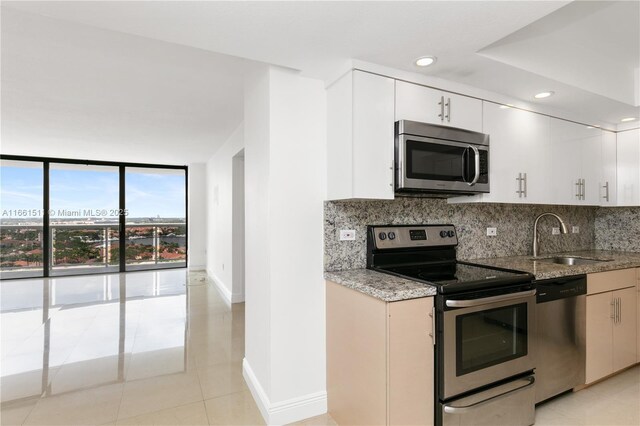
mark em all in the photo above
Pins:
pixel 484 325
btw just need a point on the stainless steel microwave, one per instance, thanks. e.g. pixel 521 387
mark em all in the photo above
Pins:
pixel 440 161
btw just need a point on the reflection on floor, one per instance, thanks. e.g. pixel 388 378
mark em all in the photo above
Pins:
pixel 615 401
pixel 163 348
pixel 138 348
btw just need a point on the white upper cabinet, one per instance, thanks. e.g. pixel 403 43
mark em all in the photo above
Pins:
pixel 576 163
pixel 360 134
pixel 419 103
pixel 608 193
pixel 628 170
pixel 519 168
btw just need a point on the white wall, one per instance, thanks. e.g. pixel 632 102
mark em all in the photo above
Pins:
pixel 197 216
pixel 285 144
pixel 219 214
pixel 257 361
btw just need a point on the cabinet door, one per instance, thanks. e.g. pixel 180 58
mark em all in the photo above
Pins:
pixel 591 166
pixel 628 173
pixel 419 103
pixel 519 145
pixel 608 183
pixel 624 329
pixel 463 112
pixel 599 358
pixel 565 158
pixel 373 133
pixel 360 135
pixel 411 362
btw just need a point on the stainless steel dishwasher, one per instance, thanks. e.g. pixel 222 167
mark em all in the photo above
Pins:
pixel 560 335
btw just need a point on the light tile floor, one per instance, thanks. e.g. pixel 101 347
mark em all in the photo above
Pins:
pixel 164 348
pixel 156 347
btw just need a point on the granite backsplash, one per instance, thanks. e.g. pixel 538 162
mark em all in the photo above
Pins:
pixel 618 228
pixel 514 223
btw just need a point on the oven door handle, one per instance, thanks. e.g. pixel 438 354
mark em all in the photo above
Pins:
pixel 529 381
pixel 488 300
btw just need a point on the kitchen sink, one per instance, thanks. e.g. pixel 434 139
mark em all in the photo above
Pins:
pixel 570 260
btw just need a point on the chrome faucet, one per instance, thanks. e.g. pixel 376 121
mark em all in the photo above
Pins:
pixel 563 230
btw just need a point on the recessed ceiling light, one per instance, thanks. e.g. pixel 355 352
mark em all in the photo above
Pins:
pixel 425 61
pixel 628 119
pixel 543 95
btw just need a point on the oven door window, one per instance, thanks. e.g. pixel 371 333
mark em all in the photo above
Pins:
pixel 490 337
pixel 437 161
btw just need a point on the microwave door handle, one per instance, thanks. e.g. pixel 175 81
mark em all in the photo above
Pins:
pixel 465 162
pixel 476 154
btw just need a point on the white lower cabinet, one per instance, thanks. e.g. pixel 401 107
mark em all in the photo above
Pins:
pixel 611 334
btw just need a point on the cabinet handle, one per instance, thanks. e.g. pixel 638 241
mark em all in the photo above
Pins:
pixel 578 189
pixel 619 310
pixel 441 103
pixel 583 189
pixel 522 185
pixel 448 110
pixel 432 314
pixel 392 172
pixel 613 310
pixel 606 191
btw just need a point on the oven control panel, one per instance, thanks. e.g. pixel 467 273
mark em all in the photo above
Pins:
pixel 408 236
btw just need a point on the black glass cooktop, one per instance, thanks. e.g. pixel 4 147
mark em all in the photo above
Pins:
pixel 456 276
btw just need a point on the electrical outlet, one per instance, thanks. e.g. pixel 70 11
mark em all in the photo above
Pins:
pixel 555 231
pixel 575 229
pixel 492 232
pixel 347 235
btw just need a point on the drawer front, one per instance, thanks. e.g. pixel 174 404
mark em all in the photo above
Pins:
pixel 611 280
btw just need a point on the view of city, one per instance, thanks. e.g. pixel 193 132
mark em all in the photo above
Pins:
pixel 84 225
pixel 89 243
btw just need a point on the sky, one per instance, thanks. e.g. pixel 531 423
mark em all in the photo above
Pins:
pixel 95 188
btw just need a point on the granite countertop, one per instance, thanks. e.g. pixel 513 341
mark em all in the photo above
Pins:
pixel 379 285
pixel 392 289
pixel 545 270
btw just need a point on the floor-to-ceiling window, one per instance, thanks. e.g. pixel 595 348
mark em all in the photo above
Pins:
pixel 156 233
pixel 83 218
pixel 21 219
pixel 65 217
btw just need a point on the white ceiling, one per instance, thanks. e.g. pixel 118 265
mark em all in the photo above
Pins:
pixel 591 45
pixel 482 43
pixel 74 91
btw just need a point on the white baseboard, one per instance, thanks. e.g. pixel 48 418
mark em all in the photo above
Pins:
pixel 224 291
pixel 287 411
pixel 197 267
